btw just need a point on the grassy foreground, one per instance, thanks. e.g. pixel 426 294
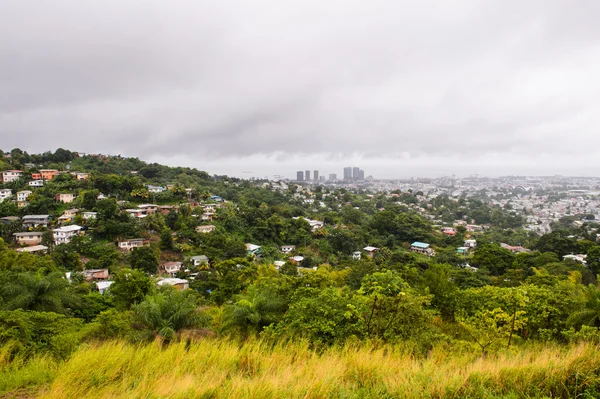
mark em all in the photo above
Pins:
pixel 224 369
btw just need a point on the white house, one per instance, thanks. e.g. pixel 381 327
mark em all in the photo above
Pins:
pixel 89 215
pixel 171 268
pixel 199 260
pixel 66 198
pixel 22 195
pixel 36 220
pixel 36 183
pixel 205 229
pixel 356 255
pixel 370 251
pixel 286 249
pixel 11 175
pixel 5 193
pixel 128 245
pixel 155 189
pixel 103 286
pixel 178 283
pixel 63 235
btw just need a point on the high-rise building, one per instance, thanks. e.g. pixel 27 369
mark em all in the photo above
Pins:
pixel 307 175
pixel 316 175
pixel 299 175
pixel 321 178
pixel 348 173
pixel 361 175
pixel 332 177
pixel 355 171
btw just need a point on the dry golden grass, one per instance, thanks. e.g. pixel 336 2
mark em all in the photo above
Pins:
pixel 225 369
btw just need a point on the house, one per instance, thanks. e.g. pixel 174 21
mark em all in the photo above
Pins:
pixel 356 255
pixel 473 228
pixel 216 198
pixel 199 260
pixel 36 183
pixel 314 224
pixel 35 249
pixel 171 268
pixel 36 221
pixel 462 250
pixel 9 219
pixel 66 198
pixel 515 249
pixel 47 174
pixel 22 195
pixel 82 176
pixel 67 216
pixel 209 207
pixel 95 274
pixel 155 189
pixel 470 243
pixel 371 251
pixel 297 259
pixel 9 176
pixel 28 238
pixel 128 245
pixel 148 209
pixel 286 249
pixel 136 213
pixel 89 215
pixel 278 264
pixel 103 286
pixel 63 235
pixel 5 193
pixel 450 231
pixel 166 209
pixel 209 228
pixel 253 249
pixel 207 216
pixel 178 283
pixel 36 176
pixel 421 247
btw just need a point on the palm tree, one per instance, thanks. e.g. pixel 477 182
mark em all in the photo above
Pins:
pixel 37 292
pixel 168 312
pixel 590 316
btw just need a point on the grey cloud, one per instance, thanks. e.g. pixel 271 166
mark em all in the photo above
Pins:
pixel 269 81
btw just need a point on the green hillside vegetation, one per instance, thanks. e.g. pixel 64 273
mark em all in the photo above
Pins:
pixel 336 321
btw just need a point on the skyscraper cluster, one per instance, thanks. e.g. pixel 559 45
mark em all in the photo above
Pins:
pixel 354 173
pixel 350 174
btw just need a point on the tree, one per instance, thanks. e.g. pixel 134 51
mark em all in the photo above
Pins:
pixel 441 285
pixel 167 312
pixel 144 258
pixel 166 239
pixel 494 258
pixel 590 316
pixel 130 286
pixel 30 291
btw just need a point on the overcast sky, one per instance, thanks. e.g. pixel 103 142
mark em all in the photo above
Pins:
pixel 400 88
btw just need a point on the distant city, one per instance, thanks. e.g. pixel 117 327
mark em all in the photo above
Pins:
pixel 351 173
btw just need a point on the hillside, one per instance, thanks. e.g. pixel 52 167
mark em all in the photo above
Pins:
pixel 120 278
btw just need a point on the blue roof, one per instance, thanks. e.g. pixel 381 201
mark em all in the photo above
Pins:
pixel 419 244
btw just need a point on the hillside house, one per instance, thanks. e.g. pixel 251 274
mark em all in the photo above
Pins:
pixel 253 249
pixel 155 189
pixel 286 249
pixel 5 193
pixel 36 176
pixel 178 283
pixel 89 215
pixel 63 235
pixel 515 249
pixel 35 249
pixel 470 243
pixel 449 231
pixel 9 219
pixel 36 183
pixel 422 248
pixel 103 286
pixel 171 268
pixel 128 245
pixel 9 176
pixel 356 255
pixel 22 195
pixel 207 217
pixel 199 260
pixel 462 250
pixel 28 238
pixel 371 251
pixel 148 209
pixel 82 176
pixel 95 274
pixel 296 259
pixel 209 228
pixel 66 198
pixel 32 221
pixel 48 174
pixel 136 213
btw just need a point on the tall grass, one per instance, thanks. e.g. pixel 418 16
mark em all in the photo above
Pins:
pixel 225 369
